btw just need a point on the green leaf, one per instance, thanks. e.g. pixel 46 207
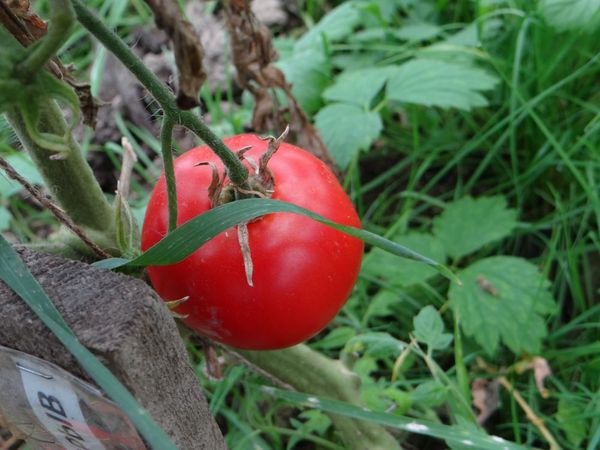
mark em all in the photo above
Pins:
pixel 309 72
pixel 571 417
pixel 399 273
pixel 429 329
pixel 336 338
pixel 468 224
pixel 358 86
pixel 430 394
pixel 5 218
pixel 430 82
pixel 418 31
pixel 335 25
pixel 376 344
pixel 570 14
pixel 190 236
pixel 23 165
pixel 455 434
pixel 16 275
pixel 503 299
pixel 381 304
pixel 346 129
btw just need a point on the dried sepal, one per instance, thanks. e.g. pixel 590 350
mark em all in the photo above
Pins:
pixel 216 183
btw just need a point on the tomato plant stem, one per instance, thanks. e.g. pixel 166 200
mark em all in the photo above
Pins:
pixel 311 372
pixel 166 134
pixel 70 180
pixel 237 172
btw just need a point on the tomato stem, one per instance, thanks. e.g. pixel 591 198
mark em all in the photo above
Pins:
pixel 166 136
pixel 236 171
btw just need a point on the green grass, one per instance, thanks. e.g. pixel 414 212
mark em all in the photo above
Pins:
pixel 536 144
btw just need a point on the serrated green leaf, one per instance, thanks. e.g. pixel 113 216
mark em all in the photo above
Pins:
pixel 429 329
pixel 468 224
pixel 190 236
pixel 570 14
pixel 405 273
pixel 17 276
pixel 451 434
pixel 503 298
pixel 347 129
pixel 335 25
pixel 430 82
pixel 358 86
pixel 309 72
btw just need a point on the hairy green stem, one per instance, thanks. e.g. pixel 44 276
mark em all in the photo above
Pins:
pixel 166 135
pixel 61 19
pixel 309 371
pixel 236 171
pixel 71 180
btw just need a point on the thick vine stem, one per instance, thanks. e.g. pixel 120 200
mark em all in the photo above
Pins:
pixel 71 180
pixel 309 371
pixel 61 19
pixel 236 171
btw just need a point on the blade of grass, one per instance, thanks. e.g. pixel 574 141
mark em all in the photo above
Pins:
pixel 186 239
pixel 455 434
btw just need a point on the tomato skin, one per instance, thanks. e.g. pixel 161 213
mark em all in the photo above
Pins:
pixel 303 270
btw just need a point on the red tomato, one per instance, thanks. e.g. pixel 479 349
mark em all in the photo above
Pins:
pixel 303 270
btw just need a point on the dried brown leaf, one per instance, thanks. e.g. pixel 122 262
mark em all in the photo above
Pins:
pixel 187 48
pixel 485 394
pixel 253 55
pixel 541 371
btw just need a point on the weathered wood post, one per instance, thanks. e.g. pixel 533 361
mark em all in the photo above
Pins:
pixel 123 322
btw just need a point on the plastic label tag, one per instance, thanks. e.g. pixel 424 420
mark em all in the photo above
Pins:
pixel 54 410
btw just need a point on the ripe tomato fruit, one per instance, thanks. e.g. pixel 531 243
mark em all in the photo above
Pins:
pixel 303 271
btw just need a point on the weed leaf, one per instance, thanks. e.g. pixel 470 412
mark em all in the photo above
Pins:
pixel 398 273
pixel 570 14
pixel 503 298
pixel 346 129
pixel 336 25
pixel 429 329
pixel 430 82
pixel 468 224
pixel 358 86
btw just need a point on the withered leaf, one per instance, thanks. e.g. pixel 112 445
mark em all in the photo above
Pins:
pixel 187 48
pixel 253 56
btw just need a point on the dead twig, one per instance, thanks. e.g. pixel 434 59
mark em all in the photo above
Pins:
pixel 54 209
pixel 188 49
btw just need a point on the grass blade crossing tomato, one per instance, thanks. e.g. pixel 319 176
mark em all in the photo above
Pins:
pixel 303 271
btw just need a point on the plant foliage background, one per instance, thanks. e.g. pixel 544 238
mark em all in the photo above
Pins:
pixel 468 131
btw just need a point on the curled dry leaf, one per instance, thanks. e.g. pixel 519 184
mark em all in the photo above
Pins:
pixel 541 371
pixel 21 22
pixel 485 394
pixel 187 48
pixel 253 55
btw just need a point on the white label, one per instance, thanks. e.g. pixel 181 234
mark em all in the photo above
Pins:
pixel 56 406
